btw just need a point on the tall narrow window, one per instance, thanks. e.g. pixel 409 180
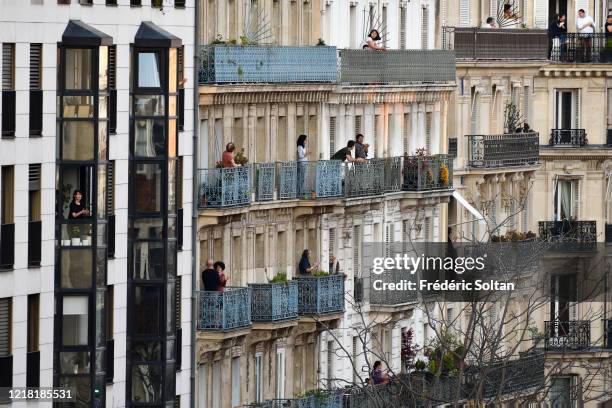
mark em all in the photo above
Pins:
pixel 110 327
pixel 236 383
pixel 258 377
pixel 34 217
pixel 6 359
pixel 110 208
pixel 36 93
pixel 8 90
pixel 402 27
pixel 358 124
pixel 7 223
pixel 135 3
pixel 33 355
pixel 330 365
pixel 332 135
pixel 280 373
pixel 385 21
pixel 179 203
pixel 112 89
pixel 181 95
pixel 425 28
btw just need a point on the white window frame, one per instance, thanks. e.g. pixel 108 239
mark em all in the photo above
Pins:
pixel 258 376
pixel 280 373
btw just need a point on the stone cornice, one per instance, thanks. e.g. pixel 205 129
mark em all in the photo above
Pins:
pixel 392 94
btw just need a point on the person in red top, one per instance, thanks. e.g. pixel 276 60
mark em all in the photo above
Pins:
pixel 227 158
pixel 220 267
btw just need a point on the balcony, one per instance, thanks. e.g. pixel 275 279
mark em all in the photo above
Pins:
pixel 512 149
pixel 314 180
pixel 274 302
pixel 391 298
pixel 423 173
pixel 396 66
pixel 485 43
pixel 320 295
pixel 581 48
pixel 317 399
pixel 569 235
pixel 7 246
pixel 568 137
pixel 225 64
pixel 224 311
pixel 567 335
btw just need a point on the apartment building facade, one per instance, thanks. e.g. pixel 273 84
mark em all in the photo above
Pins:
pixel 96 156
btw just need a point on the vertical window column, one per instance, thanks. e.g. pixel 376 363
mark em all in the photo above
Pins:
pixel 36 93
pixel 33 354
pixel 7 217
pixel 8 90
pixel 6 357
pixel 34 216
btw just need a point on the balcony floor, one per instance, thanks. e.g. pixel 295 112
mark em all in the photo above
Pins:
pixel 215 335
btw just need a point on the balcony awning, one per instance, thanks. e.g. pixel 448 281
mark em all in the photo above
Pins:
pixel 79 33
pixel 461 200
pixel 152 35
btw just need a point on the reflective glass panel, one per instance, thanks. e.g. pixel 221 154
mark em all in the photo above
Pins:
pixel 78 140
pixel 76 268
pixel 146 303
pixel 82 389
pixel 149 105
pixel 103 70
pixel 147 228
pixel 173 66
pixel 149 138
pixel 148 260
pixel 74 362
pixel 148 70
pixel 79 68
pixel 146 350
pixel 148 187
pixel 146 384
pixel 75 320
pixel 78 106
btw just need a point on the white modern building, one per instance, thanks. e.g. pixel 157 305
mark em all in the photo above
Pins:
pixel 96 159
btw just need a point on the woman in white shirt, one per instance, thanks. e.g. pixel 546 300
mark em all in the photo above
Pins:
pixel 371 41
pixel 301 166
pixel 301 148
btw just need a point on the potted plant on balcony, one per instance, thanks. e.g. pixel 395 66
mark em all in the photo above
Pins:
pixel 444 174
pixel 240 158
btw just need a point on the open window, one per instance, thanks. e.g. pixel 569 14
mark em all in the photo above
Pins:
pixel 567 200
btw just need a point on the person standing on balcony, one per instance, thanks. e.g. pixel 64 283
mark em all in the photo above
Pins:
pixel 219 269
pixel 378 376
pixel 490 23
pixel 210 278
pixel 304 266
pixel 372 41
pixel 346 153
pixel 608 39
pixel 586 27
pixel 77 207
pixel 361 149
pixel 301 164
pixel 227 158
pixel 557 30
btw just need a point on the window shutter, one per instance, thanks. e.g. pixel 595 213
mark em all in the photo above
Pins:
pixel 402 28
pixel 406 133
pixel 526 104
pixel 112 67
pixel 475 113
pixel 387 241
pixel 464 13
pixel 110 188
pixel 427 230
pixel 541 14
pixel 178 292
pixel 493 11
pixel 577 109
pixel 576 206
pixel 332 135
pixel 332 242
pixel 356 249
pixel 494 212
pixel 376 118
pixel 35 66
pixel 424 27
pixel 34 177
pixel 5 327
pixel 8 67
pixel 358 124
pixel 355 352
pixel 428 120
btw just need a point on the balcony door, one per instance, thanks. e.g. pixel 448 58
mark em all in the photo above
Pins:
pixel 566 109
pixel 567 197
pixel 562 305
pixel 556 7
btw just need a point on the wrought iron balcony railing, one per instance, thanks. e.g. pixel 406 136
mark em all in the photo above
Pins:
pixel 427 172
pixel 226 64
pixel 567 335
pixel 486 43
pixel 318 295
pixel 396 66
pixel 578 47
pixel 512 149
pixel 568 137
pixel 391 297
pixel 569 235
pixel 227 310
pixel 310 180
pixel 322 399
pixel 271 302
pixel 267 64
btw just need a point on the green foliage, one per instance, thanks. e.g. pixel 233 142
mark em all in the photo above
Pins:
pixel 420 365
pixel 280 277
pixel 319 273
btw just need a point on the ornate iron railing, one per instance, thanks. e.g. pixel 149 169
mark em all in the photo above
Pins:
pixel 569 235
pixel 512 149
pixel 363 179
pixel 225 187
pixel 567 335
pixel 320 294
pixel 323 399
pixel 267 64
pixel 428 172
pixel 389 297
pixel 287 181
pixel 274 301
pixel 396 66
pixel 568 137
pixel 486 43
pixel 264 177
pixel 227 310
pixel 319 179
pixel 578 47
pixel 393 174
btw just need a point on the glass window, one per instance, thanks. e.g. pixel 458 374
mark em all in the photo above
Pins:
pixel 75 319
pixel 149 138
pixel 78 106
pixel 78 68
pixel 76 268
pixel 103 70
pixel 148 260
pixel 172 186
pixel 76 178
pixel 146 303
pixel 101 208
pixel 170 305
pixel 81 386
pixel 146 350
pixel 147 228
pixel 171 227
pixel 146 383
pixel 102 140
pixel 149 105
pixel 78 140
pixel 173 65
pixel 100 320
pixel 148 187
pixel 74 362
pixel 148 70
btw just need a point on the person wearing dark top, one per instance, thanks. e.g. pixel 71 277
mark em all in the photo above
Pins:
pixel 346 153
pixel 304 267
pixel 361 149
pixel 557 30
pixel 210 278
pixel 220 268
pixel 378 377
pixel 608 45
pixel 77 208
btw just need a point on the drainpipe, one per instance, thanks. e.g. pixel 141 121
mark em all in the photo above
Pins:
pixel 194 208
